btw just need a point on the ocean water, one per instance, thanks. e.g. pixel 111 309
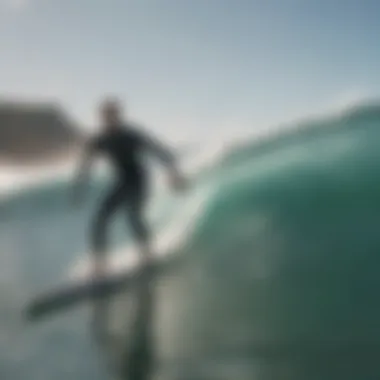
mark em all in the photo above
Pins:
pixel 276 275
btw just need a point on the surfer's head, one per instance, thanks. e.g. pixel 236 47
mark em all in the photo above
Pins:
pixel 111 113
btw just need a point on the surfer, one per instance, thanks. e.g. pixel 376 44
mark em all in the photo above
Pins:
pixel 123 145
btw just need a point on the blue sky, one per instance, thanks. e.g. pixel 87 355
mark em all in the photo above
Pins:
pixel 192 67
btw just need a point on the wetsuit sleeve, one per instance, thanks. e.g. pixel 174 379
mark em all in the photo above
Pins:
pixel 94 145
pixel 158 149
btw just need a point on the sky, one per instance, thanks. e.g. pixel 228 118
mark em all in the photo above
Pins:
pixel 192 69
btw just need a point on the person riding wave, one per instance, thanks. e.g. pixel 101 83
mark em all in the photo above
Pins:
pixel 123 145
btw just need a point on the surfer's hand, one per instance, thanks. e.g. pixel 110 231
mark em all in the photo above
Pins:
pixel 98 268
pixel 177 182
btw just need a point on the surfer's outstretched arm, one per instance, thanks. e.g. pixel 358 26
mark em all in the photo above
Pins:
pixel 83 173
pixel 166 157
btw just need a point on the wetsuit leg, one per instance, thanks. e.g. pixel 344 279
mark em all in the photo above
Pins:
pixel 112 202
pixel 136 202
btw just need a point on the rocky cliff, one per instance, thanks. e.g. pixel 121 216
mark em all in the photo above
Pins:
pixel 35 133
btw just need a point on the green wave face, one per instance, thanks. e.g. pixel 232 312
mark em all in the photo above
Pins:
pixel 282 279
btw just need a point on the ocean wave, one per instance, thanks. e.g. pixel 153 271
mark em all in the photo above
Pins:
pixel 282 253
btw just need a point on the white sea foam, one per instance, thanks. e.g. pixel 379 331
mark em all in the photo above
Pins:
pixel 14 180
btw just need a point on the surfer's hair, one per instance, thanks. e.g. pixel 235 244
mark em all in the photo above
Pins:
pixel 110 104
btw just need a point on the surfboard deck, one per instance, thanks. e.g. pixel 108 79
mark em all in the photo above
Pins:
pixel 69 295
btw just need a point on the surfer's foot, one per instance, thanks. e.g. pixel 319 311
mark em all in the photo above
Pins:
pixel 98 269
pixel 146 264
pixel 146 257
pixel 146 261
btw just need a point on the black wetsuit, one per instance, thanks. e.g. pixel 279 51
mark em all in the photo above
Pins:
pixel 124 147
